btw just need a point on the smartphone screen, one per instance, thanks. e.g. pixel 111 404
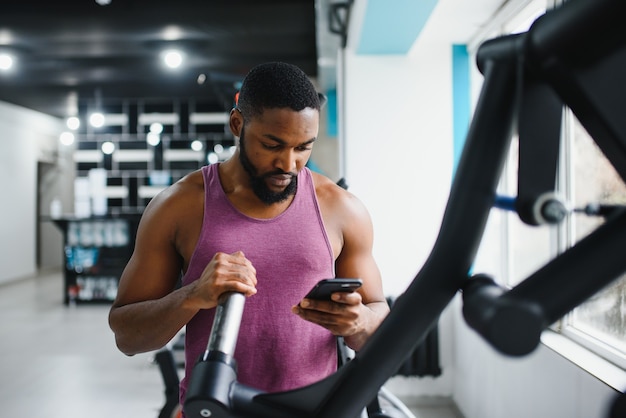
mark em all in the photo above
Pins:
pixel 324 288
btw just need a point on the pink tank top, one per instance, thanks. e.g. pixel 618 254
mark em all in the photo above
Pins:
pixel 276 349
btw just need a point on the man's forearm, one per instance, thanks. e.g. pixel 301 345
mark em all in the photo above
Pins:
pixel 378 312
pixel 149 325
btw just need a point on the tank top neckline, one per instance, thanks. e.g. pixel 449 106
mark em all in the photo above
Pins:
pixel 302 177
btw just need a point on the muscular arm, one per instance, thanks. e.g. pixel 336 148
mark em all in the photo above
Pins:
pixel 356 260
pixel 357 315
pixel 367 309
pixel 148 311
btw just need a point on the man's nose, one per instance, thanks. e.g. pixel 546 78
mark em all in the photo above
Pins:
pixel 287 161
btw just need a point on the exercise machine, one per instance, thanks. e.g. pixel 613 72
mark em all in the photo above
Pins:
pixel 385 405
pixel 572 56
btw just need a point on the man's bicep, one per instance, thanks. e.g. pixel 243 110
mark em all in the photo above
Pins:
pixel 356 258
pixel 364 267
pixel 154 267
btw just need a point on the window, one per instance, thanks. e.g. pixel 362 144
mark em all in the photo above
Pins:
pixel 511 250
pixel 600 323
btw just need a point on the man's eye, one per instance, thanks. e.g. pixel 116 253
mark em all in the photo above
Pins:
pixel 271 146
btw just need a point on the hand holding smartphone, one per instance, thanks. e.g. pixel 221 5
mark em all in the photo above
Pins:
pixel 326 287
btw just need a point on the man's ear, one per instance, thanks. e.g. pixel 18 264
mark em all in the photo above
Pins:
pixel 235 122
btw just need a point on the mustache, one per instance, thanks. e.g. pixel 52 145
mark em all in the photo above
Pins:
pixel 280 173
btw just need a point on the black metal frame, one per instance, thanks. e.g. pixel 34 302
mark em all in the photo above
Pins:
pixel 574 56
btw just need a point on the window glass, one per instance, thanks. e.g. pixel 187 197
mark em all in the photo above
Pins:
pixel 595 181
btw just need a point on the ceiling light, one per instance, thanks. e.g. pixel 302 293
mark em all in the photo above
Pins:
pixel 197 145
pixel 103 2
pixel 156 128
pixel 212 158
pixel 172 33
pixel 173 58
pixel 153 139
pixel 73 123
pixel 6 62
pixel 108 147
pixel 96 120
pixel 66 138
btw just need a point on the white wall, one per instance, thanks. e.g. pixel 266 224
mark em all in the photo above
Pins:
pixel 399 154
pixel 398 146
pixel 397 119
pixel 26 137
pixel 540 385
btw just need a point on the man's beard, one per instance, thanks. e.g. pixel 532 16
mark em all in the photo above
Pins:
pixel 258 183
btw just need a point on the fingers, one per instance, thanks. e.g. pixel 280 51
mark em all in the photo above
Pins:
pixel 235 267
pixel 225 273
pixel 235 260
pixel 341 315
pixel 339 302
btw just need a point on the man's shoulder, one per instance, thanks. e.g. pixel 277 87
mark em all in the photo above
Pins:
pixel 325 188
pixel 177 211
pixel 188 189
pixel 335 198
pixel 191 183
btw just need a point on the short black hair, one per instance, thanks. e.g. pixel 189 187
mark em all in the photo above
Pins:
pixel 276 85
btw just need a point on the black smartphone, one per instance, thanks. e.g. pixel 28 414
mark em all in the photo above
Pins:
pixel 324 288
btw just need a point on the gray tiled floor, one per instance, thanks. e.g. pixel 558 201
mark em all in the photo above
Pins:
pixel 61 362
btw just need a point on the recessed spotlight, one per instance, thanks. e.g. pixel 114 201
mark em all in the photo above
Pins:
pixel 197 145
pixel 6 62
pixel 172 33
pixel 96 120
pixel 156 128
pixel 153 139
pixel 66 138
pixel 73 123
pixel 108 147
pixel 212 158
pixel 173 58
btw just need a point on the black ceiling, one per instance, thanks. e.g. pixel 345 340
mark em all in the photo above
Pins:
pixel 69 53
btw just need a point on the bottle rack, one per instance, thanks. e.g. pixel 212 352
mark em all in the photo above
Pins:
pixel 95 253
